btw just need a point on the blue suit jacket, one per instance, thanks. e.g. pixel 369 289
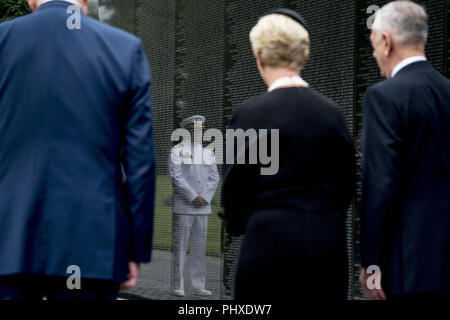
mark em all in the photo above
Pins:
pixel 74 105
pixel 406 184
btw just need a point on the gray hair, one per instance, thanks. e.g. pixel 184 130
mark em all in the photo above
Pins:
pixel 406 20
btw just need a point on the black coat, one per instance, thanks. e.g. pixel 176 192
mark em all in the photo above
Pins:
pixel 70 102
pixel 293 220
pixel 406 184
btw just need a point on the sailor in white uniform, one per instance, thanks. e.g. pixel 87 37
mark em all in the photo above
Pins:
pixel 195 178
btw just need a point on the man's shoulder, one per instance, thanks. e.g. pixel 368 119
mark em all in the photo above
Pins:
pixel 389 88
pixel 406 82
pixel 385 84
pixel 91 25
pixel 5 25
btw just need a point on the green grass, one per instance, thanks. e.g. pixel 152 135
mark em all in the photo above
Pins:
pixel 162 236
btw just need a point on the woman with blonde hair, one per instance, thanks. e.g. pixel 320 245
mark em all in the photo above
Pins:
pixel 294 220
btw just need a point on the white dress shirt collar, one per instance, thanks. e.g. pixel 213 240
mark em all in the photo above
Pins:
pixel 71 1
pixel 407 62
pixel 288 81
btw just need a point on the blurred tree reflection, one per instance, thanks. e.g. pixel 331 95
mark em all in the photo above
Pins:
pixel 10 9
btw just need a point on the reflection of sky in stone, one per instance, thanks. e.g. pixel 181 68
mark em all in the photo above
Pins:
pixel 105 12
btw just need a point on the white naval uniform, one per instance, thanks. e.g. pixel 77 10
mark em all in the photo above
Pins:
pixel 189 222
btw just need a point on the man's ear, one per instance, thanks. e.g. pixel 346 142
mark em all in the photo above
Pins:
pixel 32 4
pixel 84 5
pixel 388 43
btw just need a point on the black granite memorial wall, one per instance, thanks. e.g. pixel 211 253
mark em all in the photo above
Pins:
pixel 201 61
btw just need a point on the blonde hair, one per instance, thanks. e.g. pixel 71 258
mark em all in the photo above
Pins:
pixel 281 42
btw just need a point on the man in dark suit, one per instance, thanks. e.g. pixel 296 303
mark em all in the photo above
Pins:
pixel 74 107
pixel 406 183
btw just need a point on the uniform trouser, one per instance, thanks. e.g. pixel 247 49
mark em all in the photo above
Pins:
pixel 189 229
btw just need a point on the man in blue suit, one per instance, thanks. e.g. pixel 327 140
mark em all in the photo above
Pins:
pixel 74 108
pixel 406 178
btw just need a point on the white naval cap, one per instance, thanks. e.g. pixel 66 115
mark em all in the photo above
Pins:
pixel 192 120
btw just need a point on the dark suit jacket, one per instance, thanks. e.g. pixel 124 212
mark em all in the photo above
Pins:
pixel 406 184
pixel 74 105
pixel 316 155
